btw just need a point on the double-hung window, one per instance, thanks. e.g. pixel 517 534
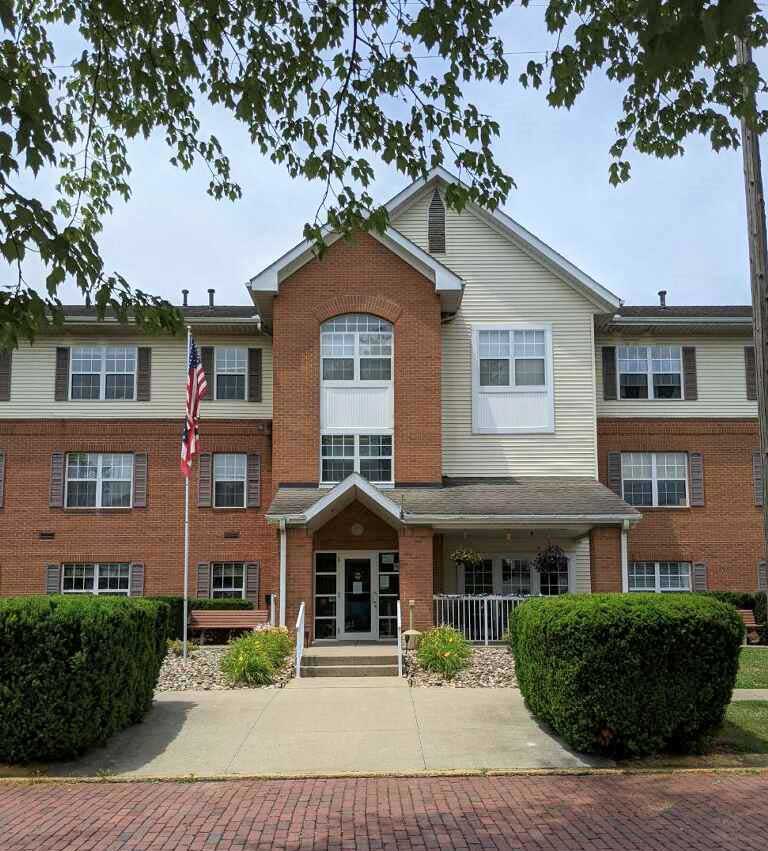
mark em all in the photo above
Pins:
pixel 370 455
pixel 650 372
pixel 231 371
pixel 103 372
pixel 356 348
pixel 96 578
pixel 655 478
pixel 229 480
pixel 228 579
pixel 512 359
pixel 99 480
pixel 515 576
pixel 659 576
pixel 478 578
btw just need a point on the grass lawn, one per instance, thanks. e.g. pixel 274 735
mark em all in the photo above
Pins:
pixel 745 729
pixel 753 668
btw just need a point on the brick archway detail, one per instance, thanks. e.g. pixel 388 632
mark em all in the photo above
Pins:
pixel 377 305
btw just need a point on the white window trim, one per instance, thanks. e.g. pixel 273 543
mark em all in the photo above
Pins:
pixel 498 575
pixel 356 381
pixel 214 479
pixel 356 433
pixel 649 373
pixel 217 372
pixel 547 389
pixel 103 373
pixel 96 567
pixel 99 483
pixel 655 479
pixel 657 577
pixel 245 578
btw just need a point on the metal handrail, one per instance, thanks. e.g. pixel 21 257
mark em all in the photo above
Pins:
pixel 399 641
pixel 299 640
pixel 481 618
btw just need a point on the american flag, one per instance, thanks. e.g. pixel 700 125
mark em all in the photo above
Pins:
pixel 197 387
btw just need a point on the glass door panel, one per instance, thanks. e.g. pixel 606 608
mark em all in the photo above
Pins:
pixel 357 596
pixel 389 592
pixel 325 595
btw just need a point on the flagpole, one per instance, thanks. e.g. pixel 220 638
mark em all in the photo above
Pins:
pixel 186 533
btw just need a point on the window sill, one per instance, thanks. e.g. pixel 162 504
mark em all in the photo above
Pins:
pixel 95 510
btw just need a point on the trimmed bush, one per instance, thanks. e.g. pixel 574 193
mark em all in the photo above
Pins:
pixel 444 650
pixel 627 674
pixel 253 659
pixel 74 671
pixel 176 613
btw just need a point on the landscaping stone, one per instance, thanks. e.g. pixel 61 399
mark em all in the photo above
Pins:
pixel 201 671
pixel 490 667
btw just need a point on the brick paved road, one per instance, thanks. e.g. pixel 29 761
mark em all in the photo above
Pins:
pixel 600 813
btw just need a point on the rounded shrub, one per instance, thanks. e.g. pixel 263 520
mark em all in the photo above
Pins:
pixel 74 671
pixel 253 659
pixel 444 650
pixel 627 674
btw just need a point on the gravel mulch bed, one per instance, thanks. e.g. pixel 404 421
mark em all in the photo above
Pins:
pixel 491 667
pixel 200 672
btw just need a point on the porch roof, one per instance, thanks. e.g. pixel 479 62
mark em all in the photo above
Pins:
pixel 459 502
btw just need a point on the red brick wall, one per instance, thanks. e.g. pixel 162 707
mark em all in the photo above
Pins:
pixel 605 559
pixel 385 286
pixel 153 535
pixel 726 532
pixel 416 582
pixel 337 533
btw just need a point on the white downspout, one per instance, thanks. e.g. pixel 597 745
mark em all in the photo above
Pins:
pixel 283 571
pixel 625 557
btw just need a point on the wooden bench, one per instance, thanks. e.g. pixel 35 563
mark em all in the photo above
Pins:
pixel 750 624
pixel 203 619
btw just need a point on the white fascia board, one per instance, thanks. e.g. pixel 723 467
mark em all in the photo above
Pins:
pixel 601 297
pixel 618 319
pixel 479 521
pixel 354 480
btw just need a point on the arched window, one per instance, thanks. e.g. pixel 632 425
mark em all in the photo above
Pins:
pixel 356 347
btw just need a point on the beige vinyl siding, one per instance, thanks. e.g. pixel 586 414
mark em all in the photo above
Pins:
pixel 520 545
pixel 504 284
pixel 722 388
pixel 34 369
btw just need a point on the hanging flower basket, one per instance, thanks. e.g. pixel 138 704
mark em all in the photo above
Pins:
pixel 466 557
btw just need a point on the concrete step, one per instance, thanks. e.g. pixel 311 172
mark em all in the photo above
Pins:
pixel 310 660
pixel 356 670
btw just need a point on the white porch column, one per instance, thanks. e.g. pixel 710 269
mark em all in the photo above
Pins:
pixel 625 556
pixel 283 571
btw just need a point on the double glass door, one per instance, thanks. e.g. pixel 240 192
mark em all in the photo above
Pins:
pixel 356 595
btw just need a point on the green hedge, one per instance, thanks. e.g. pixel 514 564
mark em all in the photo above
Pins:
pixel 627 674
pixel 755 600
pixel 176 614
pixel 74 671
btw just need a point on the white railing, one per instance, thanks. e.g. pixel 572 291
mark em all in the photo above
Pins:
pixel 272 619
pixel 399 641
pixel 299 640
pixel 478 619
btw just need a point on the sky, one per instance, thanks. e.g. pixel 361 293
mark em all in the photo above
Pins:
pixel 678 225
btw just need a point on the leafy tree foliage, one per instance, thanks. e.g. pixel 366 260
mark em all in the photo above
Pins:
pixel 321 86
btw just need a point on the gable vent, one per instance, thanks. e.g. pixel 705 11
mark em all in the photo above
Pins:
pixel 436 224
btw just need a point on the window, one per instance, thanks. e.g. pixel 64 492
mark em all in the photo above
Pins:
pixel 512 359
pixel 655 478
pixel 99 480
pixel 356 347
pixel 650 372
pixel 227 579
pixel 367 454
pixel 229 477
pixel 103 372
pixel 100 578
pixel 478 578
pixel 515 576
pixel 231 369
pixel 659 576
pixel 554 581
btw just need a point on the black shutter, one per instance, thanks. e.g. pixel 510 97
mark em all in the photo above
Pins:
pixel 609 372
pixel 253 496
pixel 6 363
pixel 614 472
pixel 762 576
pixel 206 359
pixel 61 381
pixel 56 491
pixel 700 576
pixel 140 462
pixel 690 378
pixel 696 474
pixel 203 579
pixel 204 473
pixel 143 374
pixel 252 582
pixel 757 476
pixel 254 375
pixel 2 478
pixel 436 224
pixel 137 579
pixel 750 371
pixel 53 579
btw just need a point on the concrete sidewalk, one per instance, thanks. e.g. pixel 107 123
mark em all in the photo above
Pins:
pixel 367 725
pixel 750 694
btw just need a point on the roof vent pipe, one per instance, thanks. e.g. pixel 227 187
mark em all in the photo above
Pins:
pixel 663 298
pixel 185 298
pixel 211 293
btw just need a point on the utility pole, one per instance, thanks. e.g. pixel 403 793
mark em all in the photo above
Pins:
pixel 758 268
